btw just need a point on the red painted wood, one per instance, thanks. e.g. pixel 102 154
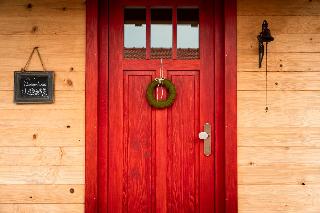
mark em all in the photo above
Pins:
pixel 151 64
pixel 103 102
pixel 149 170
pixel 230 17
pixel 207 103
pixel 91 106
pixel 219 109
pixel 183 145
pixel 117 198
pixel 161 158
pixel 138 143
pixel 136 147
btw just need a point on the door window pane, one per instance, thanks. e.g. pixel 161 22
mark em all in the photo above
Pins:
pixel 135 33
pixel 188 33
pixel 161 33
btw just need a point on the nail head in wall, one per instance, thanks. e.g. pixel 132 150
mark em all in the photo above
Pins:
pixel 71 69
pixel 29 6
pixel 71 190
pixel 34 136
pixel 68 126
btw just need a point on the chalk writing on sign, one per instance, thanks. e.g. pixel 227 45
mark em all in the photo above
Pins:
pixel 34 86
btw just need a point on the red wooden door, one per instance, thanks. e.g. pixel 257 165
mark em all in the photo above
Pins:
pixel 156 160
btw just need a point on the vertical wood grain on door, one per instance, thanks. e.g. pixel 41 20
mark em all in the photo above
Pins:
pixel 156 161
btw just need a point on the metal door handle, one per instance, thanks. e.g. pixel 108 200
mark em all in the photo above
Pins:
pixel 206 136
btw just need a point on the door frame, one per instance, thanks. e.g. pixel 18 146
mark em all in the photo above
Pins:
pixel 96 105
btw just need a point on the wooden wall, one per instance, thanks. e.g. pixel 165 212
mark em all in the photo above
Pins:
pixel 279 151
pixel 42 146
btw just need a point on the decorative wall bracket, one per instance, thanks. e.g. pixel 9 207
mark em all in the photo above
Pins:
pixel 264 37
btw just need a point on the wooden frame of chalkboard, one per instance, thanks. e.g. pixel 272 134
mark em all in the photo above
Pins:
pixel 33 87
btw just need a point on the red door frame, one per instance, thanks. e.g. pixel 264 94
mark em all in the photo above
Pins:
pixel 97 105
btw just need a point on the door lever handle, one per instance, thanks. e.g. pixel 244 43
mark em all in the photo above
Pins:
pixel 206 136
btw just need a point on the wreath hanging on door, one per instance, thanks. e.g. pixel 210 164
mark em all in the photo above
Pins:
pixel 171 91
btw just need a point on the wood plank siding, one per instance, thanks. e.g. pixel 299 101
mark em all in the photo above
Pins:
pixel 278 151
pixel 42 146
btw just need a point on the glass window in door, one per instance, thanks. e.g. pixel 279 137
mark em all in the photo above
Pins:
pixel 161 33
pixel 135 33
pixel 188 33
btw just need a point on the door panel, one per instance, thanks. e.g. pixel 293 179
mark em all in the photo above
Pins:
pixel 138 143
pixel 183 147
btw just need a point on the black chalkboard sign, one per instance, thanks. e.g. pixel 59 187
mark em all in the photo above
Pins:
pixel 33 87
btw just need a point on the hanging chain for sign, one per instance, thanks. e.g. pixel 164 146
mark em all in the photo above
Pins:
pixel 33 86
pixel 35 49
pixel 156 83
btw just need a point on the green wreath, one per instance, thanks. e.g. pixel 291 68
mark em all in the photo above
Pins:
pixel 171 89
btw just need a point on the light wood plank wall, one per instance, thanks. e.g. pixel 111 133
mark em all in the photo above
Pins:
pixel 42 146
pixel 279 151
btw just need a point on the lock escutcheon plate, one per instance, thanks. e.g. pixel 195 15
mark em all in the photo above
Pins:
pixel 207 140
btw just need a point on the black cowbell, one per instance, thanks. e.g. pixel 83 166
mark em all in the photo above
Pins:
pixel 265 35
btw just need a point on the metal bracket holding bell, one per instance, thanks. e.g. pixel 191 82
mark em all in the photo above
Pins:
pixel 264 37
